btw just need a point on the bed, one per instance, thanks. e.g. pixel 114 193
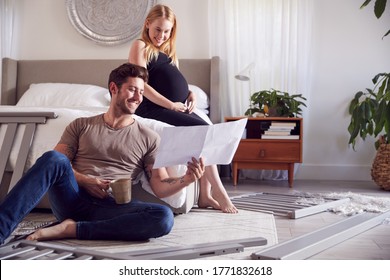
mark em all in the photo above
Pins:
pixel 40 97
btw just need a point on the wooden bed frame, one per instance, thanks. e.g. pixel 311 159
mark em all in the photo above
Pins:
pixel 17 75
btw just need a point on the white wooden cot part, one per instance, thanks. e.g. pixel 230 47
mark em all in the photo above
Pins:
pixel 11 121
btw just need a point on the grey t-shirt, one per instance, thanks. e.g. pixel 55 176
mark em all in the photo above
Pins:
pixel 110 153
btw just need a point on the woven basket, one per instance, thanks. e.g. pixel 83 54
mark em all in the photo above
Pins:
pixel 380 171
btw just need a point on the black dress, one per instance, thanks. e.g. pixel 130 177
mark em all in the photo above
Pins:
pixel 166 79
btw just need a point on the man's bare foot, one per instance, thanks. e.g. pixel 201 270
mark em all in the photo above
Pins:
pixel 66 229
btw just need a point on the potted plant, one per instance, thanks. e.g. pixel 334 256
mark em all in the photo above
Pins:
pixel 370 116
pixel 379 8
pixel 275 103
pixel 370 112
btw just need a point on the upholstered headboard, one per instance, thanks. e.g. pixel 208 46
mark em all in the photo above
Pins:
pixel 17 75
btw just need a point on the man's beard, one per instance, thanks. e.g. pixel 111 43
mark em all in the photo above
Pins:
pixel 126 109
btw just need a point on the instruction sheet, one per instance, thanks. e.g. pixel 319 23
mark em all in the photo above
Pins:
pixel 216 144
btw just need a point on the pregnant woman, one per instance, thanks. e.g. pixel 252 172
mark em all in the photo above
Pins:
pixel 167 97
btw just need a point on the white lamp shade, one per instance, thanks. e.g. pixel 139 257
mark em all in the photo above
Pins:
pixel 242 77
pixel 244 74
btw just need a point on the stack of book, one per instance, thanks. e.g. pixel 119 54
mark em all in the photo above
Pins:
pixel 280 130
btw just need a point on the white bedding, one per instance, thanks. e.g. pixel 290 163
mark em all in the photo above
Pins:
pixel 47 136
pixel 70 101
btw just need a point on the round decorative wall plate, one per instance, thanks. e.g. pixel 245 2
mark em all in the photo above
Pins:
pixel 109 22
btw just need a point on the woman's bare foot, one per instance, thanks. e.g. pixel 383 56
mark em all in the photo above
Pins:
pixel 219 201
pixel 229 208
pixel 224 201
pixel 66 229
pixel 208 201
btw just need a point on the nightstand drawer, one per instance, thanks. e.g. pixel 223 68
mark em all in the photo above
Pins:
pixel 287 151
pixel 255 152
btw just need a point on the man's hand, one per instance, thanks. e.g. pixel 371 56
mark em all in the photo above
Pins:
pixel 195 169
pixel 163 185
pixel 94 186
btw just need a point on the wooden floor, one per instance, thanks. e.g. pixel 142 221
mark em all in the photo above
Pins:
pixel 373 244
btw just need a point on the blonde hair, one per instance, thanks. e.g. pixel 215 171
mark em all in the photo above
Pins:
pixel 169 47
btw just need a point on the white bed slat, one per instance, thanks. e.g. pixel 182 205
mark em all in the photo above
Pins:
pixel 23 153
pixel 12 120
pixel 6 146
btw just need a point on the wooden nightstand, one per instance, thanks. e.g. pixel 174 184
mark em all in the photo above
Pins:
pixel 253 152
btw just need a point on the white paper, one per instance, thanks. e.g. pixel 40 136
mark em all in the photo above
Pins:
pixel 216 144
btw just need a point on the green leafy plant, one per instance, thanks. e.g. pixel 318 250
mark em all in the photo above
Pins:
pixel 379 8
pixel 370 112
pixel 276 103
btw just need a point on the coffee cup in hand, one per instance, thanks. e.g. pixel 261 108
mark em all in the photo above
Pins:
pixel 121 190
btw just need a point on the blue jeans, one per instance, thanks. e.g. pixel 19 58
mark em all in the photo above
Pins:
pixel 97 219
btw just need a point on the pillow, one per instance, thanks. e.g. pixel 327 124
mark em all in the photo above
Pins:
pixel 65 95
pixel 202 100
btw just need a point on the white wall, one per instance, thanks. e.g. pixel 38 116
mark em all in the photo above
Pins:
pixel 347 52
pixel 45 32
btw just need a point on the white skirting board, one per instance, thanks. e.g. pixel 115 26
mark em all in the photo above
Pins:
pixel 334 172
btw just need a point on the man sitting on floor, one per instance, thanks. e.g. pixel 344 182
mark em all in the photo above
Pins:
pixel 92 152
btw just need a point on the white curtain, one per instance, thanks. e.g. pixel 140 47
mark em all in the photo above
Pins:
pixel 7 19
pixel 275 35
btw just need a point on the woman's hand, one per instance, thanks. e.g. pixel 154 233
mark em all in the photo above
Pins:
pixel 191 102
pixel 179 107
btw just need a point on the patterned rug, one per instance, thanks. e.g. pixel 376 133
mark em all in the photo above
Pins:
pixel 197 227
pixel 358 203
